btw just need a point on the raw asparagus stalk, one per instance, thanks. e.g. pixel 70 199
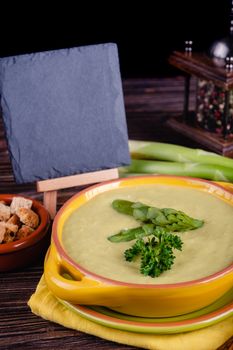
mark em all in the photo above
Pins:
pixel 205 171
pixel 176 153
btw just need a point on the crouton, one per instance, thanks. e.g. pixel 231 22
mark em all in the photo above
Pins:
pixel 24 231
pixel 11 227
pixel 20 202
pixel 28 217
pixel 14 219
pixel 9 236
pixel 2 232
pixel 4 212
pixel 10 231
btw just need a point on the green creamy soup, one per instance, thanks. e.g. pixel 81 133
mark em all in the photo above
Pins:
pixel 205 250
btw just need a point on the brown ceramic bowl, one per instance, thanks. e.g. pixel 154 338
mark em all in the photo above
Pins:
pixel 22 252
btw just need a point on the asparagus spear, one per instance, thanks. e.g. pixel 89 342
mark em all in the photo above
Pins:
pixel 205 171
pixel 176 153
pixel 171 220
pixel 132 233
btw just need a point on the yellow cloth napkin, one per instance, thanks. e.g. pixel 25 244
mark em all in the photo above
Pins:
pixel 44 304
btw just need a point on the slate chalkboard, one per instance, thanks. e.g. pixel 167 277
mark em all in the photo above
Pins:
pixel 63 112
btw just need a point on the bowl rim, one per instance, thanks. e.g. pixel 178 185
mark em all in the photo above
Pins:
pixel 36 235
pixel 87 273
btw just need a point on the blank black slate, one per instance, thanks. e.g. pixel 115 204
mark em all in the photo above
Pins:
pixel 63 112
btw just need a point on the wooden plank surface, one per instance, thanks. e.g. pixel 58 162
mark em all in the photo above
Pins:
pixel 149 103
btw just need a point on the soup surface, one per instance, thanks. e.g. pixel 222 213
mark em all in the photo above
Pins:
pixel 205 250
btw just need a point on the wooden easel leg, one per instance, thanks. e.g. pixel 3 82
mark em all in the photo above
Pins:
pixel 50 202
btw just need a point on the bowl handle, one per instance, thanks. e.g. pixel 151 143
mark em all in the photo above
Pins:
pixel 67 283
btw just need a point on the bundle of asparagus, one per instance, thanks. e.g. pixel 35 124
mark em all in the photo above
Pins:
pixel 169 159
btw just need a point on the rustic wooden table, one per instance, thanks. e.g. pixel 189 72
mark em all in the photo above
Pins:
pixel 149 103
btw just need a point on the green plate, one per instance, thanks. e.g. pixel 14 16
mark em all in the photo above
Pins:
pixel 218 311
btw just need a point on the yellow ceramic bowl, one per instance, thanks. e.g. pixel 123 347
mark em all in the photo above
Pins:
pixel 135 299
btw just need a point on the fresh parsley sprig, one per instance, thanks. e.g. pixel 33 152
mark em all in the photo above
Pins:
pixel 156 253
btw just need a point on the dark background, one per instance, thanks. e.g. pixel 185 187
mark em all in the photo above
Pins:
pixel 146 33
